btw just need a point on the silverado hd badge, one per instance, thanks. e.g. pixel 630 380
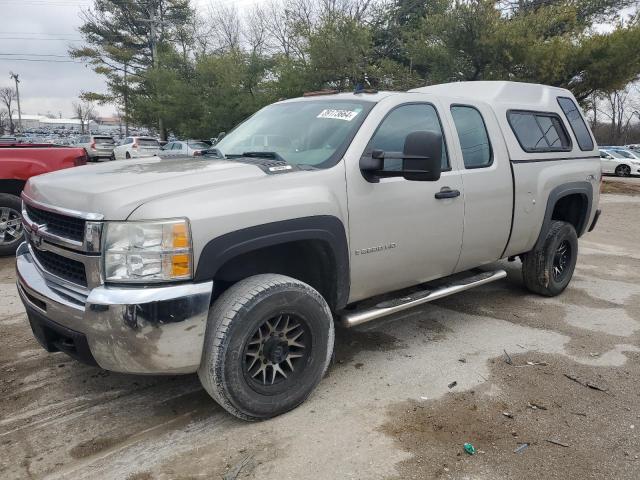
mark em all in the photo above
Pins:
pixel 379 248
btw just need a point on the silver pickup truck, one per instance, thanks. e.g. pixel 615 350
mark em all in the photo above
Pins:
pixel 339 207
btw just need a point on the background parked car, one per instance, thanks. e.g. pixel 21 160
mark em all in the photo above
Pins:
pixel 613 161
pixel 192 148
pixel 626 152
pixel 98 147
pixel 18 163
pixel 136 147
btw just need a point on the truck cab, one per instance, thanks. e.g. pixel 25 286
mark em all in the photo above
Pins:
pixel 341 207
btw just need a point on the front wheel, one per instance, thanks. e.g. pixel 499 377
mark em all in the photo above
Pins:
pixel 11 232
pixel 268 343
pixel 548 269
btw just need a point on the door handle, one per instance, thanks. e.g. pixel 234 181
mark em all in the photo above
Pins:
pixel 446 192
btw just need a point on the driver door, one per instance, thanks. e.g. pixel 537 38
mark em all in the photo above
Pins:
pixel 401 233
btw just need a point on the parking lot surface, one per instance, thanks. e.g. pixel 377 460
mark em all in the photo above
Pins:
pixel 558 374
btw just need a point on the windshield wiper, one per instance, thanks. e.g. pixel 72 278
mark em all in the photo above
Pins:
pixel 273 155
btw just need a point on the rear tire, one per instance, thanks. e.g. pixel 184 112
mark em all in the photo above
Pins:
pixel 127 156
pixel 548 270
pixel 268 343
pixel 623 171
pixel 11 231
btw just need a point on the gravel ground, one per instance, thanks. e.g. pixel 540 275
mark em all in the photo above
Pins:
pixel 387 409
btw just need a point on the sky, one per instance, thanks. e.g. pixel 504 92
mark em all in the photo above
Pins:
pixel 35 36
pixel 34 39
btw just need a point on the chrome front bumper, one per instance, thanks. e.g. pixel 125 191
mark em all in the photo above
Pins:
pixel 152 330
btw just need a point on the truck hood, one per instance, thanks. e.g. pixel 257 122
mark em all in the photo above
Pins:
pixel 115 189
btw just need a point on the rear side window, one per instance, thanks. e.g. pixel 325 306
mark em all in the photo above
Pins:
pixel 539 132
pixel 580 130
pixel 474 139
pixel 148 142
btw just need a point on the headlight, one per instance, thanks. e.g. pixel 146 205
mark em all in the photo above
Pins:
pixel 147 251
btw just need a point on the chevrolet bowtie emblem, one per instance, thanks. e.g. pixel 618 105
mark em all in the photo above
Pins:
pixel 36 238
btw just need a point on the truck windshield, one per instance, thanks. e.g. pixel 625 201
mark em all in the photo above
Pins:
pixel 312 133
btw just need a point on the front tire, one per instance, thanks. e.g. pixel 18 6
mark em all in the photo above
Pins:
pixel 548 269
pixel 127 156
pixel 11 231
pixel 268 343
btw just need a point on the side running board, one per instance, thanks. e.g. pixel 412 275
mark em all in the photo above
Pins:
pixel 351 319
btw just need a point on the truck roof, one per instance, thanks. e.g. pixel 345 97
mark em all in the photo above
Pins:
pixel 365 97
pixel 518 94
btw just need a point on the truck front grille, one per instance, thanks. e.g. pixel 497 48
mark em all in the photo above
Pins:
pixel 62 267
pixel 61 225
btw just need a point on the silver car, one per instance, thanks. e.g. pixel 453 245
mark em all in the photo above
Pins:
pixel 98 147
pixel 191 148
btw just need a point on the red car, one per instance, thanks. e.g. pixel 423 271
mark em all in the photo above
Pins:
pixel 18 163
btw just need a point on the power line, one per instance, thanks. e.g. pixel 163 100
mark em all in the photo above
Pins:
pixel 46 34
pixel 41 39
pixel 38 60
pixel 34 55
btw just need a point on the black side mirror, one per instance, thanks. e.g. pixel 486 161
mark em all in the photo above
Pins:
pixel 421 159
pixel 422 156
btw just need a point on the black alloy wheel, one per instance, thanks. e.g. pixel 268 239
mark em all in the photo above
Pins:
pixel 277 353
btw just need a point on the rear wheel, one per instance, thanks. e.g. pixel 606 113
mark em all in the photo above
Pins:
pixel 268 343
pixel 623 170
pixel 127 156
pixel 548 269
pixel 11 232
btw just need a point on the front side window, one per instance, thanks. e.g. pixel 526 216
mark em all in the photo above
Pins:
pixel 474 139
pixel 580 130
pixel 311 133
pixel 402 121
pixel 539 132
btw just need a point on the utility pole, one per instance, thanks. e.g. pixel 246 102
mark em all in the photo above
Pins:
pixel 15 77
pixel 126 105
pixel 154 21
pixel 154 54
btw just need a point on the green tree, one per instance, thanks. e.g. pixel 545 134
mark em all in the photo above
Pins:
pixel 536 41
pixel 125 39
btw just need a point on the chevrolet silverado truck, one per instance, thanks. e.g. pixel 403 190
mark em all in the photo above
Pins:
pixel 327 208
pixel 18 163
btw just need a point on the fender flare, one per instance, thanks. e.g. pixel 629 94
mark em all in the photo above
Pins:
pixel 326 228
pixel 584 189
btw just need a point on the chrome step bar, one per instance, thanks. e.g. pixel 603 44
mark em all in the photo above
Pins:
pixel 351 319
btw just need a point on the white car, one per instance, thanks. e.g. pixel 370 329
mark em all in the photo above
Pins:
pixel 136 147
pixel 614 161
pixel 191 148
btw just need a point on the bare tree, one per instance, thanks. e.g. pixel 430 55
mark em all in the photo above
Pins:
pixel 620 107
pixel 7 96
pixel 255 31
pixel 85 112
pixel 3 121
pixel 226 18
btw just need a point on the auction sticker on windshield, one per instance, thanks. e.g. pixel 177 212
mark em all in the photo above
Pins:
pixel 347 115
